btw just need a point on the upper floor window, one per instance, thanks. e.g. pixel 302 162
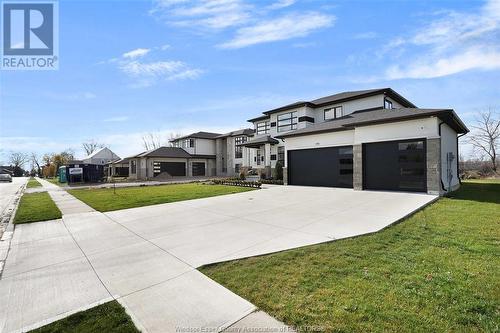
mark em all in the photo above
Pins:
pixel 387 104
pixel 188 143
pixel 333 113
pixel 263 127
pixel 287 121
pixel 238 150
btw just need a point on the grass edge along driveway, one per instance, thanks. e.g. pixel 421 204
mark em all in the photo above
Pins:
pixel 105 200
pixel 437 271
pixel 109 317
pixel 35 207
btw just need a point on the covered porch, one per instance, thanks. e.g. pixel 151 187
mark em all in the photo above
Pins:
pixel 260 155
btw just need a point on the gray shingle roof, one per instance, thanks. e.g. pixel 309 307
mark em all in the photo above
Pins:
pixel 166 152
pixel 364 118
pixel 246 131
pixel 198 135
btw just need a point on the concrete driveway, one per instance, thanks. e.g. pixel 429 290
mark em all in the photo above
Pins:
pixel 146 257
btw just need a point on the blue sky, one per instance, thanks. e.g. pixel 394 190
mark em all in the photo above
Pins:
pixel 178 66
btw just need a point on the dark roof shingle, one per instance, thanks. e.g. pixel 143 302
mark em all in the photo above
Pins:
pixel 166 152
pixel 198 135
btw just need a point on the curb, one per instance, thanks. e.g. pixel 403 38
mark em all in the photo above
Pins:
pixel 8 219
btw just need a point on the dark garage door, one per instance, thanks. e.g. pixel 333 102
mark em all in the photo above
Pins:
pixel 198 169
pixel 321 167
pixel 172 168
pixel 395 165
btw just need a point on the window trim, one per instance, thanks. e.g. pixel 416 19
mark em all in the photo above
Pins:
pixel 292 117
pixel 388 102
pixel 238 150
pixel 266 125
pixel 335 110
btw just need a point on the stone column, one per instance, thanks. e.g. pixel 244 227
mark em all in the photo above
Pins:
pixel 434 166
pixel 357 177
pixel 285 176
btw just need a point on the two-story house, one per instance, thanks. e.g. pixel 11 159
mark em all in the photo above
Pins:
pixel 189 156
pixel 370 139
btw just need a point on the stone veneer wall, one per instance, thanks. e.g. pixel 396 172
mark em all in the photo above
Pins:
pixel 285 176
pixel 357 179
pixel 434 166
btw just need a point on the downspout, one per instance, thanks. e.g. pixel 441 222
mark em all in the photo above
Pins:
pixel 440 148
pixel 458 169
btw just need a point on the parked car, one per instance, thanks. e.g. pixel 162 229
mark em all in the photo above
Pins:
pixel 5 177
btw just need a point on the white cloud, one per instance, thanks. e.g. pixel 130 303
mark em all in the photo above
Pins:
pixel 467 60
pixel 212 14
pixel 137 53
pixel 450 43
pixel 281 4
pixel 250 19
pixel 282 28
pixel 116 119
pixel 146 73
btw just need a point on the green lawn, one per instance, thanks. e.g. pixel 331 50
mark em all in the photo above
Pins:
pixel 438 271
pixel 105 200
pixel 32 182
pixel 35 207
pixel 109 317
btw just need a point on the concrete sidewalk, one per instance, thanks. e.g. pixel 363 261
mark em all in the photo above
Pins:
pixel 56 268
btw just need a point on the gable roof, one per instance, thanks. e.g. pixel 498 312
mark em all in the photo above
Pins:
pixel 108 153
pixel 338 98
pixel 165 152
pixel 380 116
pixel 198 135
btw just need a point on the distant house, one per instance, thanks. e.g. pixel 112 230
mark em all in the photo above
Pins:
pixel 90 169
pixel 101 156
pixel 7 169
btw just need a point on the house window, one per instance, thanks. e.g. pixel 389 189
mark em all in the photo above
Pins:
pixel 133 167
pixel 263 127
pixel 387 104
pixel 333 113
pixel 259 157
pixel 281 156
pixel 188 143
pixel 273 157
pixel 238 150
pixel 287 121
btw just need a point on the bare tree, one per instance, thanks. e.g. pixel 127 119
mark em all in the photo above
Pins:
pixel 485 135
pixel 151 141
pixel 35 161
pixel 172 136
pixel 91 146
pixel 18 160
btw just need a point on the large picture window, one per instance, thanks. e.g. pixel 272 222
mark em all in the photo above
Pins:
pixel 238 150
pixel 287 121
pixel 333 113
pixel 263 127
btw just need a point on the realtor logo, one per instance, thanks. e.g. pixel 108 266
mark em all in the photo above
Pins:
pixel 29 35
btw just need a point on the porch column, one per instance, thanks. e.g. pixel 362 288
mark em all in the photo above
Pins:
pixel 267 159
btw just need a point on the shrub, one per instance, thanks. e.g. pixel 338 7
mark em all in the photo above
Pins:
pixel 278 172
